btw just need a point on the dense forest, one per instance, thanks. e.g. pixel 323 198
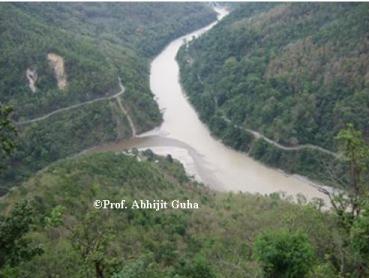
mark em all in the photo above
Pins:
pixel 96 44
pixel 295 72
pixel 92 39
pixel 50 226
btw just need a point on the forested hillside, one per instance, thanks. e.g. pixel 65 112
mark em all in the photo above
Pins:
pixel 83 214
pixel 225 237
pixel 98 43
pixel 54 56
pixel 51 224
pixel 295 72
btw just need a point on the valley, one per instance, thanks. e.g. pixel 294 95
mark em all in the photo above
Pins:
pixel 184 137
pixel 186 140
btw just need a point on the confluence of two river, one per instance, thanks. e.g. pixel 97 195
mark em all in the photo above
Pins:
pixel 187 139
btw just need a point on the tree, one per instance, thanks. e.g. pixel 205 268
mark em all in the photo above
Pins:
pixel 144 266
pixel 92 237
pixel 351 204
pixel 284 254
pixel 7 132
pixel 359 237
pixel 348 204
pixel 14 246
pixel 356 152
pixel 198 267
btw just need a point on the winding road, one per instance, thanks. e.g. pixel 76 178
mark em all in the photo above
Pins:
pixel 258 135
pixel 75 106
pixel 116 96
pixel 125 112
pixel 187 139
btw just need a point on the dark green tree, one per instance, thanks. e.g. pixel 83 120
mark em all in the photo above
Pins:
pixel 7 133
pixel 359 237
pixel 15 247
pixel 284 254
pixel 196 268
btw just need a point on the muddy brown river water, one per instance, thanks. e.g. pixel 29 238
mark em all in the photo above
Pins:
pixel 187 139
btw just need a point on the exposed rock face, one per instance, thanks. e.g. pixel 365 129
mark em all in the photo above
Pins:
pixel 57 63
pixel 32 76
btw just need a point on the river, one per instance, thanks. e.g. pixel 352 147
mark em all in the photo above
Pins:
pixel 187 139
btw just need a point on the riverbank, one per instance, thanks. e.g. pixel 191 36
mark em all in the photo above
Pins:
pixel 185 137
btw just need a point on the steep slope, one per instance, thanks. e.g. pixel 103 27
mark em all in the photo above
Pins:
pixel 296 73
pixel 92 40
pixel 213 241
pixel 56 56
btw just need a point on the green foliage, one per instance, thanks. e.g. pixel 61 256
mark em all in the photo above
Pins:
pixel 325 270
pixel 144 266
pixel 221 239
pixel 351 206
pixel 231 135
pixel 15 247
pixel 295 72
pixel 284 253
pixel 306 162
pixel 7 134
pixel 359 235
pixel 55 218
pixel 7 130
pixel 355 150
pixel 98 42
pixel 196 268
pixel 91 238
pixel 213 241
pixel 62 135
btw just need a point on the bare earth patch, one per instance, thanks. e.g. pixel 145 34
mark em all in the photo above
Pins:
pixel 32 79
pixel 57 63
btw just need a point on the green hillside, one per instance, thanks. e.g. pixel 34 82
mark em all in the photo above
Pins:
pixel 295 72
pixel 73 214
pixel 98 43
pixel 216 240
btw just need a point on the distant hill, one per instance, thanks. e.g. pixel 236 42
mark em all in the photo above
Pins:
pixel 295 72
pixel 57 55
